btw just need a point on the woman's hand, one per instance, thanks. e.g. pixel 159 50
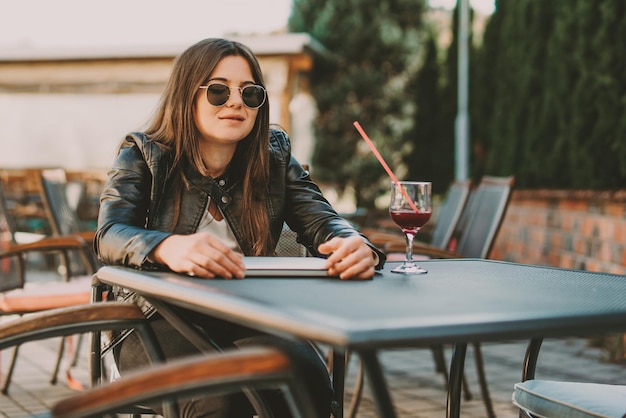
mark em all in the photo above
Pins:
pixel 199 254
pixel 350 258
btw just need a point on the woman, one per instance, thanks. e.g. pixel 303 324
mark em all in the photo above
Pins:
pixel 208 182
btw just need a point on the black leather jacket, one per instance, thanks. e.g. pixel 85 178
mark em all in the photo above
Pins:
pixel 136 207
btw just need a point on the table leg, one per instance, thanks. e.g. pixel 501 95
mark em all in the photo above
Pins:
pixel 171 314
pixel 339 379
pixel 380 391
pixel 457 364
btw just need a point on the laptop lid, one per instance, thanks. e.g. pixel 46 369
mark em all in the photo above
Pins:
pixel 285 267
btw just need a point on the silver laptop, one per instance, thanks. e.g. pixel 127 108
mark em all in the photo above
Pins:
pixel 285 267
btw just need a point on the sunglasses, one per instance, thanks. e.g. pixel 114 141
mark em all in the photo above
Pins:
pixel 253 96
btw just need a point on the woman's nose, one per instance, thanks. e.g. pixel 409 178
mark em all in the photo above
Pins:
pixel 234 98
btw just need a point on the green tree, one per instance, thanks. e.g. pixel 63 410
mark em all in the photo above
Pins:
pixel 373 50
pixel 430 135
pixel 549 96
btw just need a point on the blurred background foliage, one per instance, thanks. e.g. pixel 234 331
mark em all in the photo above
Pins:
pixel 547 93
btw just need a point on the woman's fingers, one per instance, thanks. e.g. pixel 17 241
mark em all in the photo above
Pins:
pixel 350 258
pixel 218 262
pixel 201 255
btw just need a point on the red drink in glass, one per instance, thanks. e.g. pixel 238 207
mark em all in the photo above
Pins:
pixel 410 208
pixel 410 221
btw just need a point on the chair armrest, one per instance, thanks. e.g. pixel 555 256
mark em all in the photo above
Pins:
pixel 55 244
pixel 396 243
pixel 225 372
pixel 47 245
pixel 71 320
pixel 86 235
pixel 379 237
pixel 399 246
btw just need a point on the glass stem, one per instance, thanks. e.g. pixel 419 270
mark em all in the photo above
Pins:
pixel 409 248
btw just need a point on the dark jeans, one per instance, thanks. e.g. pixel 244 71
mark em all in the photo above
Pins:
pixel 131 355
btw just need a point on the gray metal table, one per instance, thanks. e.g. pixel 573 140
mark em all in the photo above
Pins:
pixel 457 302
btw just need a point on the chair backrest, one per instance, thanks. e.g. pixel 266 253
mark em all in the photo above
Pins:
pixel 288 245
pixel 11 267
pixel 450 212
pixel 483 215
pixel 62 217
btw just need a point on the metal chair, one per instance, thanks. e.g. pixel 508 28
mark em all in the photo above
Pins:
pixel 552 399
pixel 475 232
pixel 447 219
pixel 20 296
pixel 61 216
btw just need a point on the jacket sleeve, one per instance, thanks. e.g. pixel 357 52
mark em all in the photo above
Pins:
pixel 122 237
pixel 308 213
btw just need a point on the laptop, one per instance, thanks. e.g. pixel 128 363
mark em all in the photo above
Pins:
pixel 285 267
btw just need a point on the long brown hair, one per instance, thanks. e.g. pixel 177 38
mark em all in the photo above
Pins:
pixel 173 127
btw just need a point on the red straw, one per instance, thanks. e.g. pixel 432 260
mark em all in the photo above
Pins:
pixel 357 125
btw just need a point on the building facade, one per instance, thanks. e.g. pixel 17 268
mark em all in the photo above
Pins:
pixel 71 108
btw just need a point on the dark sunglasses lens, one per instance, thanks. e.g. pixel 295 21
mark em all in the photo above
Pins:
pixel 217 94
pixel 253 96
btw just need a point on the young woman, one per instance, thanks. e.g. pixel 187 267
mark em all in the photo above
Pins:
pixel 208 182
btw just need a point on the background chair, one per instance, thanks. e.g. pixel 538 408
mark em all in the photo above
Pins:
pixel 554 399
pixel 19 297
pixel 83 318
pixel 477 227
pixel 447 218
pixel 55 191
pixel 61 215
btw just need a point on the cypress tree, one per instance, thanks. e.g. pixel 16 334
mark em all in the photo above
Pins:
pixel 549 83
pixel 374 48
pixel 429 138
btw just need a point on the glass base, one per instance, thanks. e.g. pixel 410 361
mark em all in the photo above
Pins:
pixel 409 268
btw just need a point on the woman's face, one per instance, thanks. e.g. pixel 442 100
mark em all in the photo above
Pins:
pixel 231 122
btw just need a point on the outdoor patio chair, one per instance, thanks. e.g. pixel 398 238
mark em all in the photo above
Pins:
pixel 61 216
pixel 447 218
pixel 79 319
pixel 554 399
pixel 21 296
pixel 477 227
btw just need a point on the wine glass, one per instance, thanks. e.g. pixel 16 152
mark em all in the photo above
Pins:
pixel 410 208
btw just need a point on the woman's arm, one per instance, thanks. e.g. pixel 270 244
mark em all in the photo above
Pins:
pixel 321 229
pixel 121 237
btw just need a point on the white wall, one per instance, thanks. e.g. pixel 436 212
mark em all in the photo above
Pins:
pixel 77 131
pixel 68 130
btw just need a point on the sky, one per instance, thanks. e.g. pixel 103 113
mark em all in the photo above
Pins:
pixel 85 23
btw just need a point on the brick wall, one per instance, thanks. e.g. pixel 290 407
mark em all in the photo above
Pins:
pixel 572 229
